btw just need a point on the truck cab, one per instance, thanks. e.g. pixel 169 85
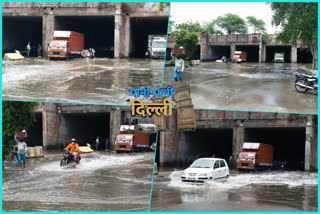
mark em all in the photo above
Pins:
pixel 279 57
pixel 255 156
pixel 239 56
pixel 158 47
pixel 124 142
pixel 58 48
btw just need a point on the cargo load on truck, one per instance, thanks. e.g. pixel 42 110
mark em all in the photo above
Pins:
pixel 239 56
pixel 254 156
pixel 65 44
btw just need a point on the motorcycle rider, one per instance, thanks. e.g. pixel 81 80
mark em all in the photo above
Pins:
pixel 74 150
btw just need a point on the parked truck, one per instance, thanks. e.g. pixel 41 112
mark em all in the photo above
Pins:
pixel 158 47
pixel 255 156
pixel 65 44
pixel 278 57
pixel 239 56
pixel 135 137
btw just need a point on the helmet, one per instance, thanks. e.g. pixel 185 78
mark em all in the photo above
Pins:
pixel 23 130
pixel 73 140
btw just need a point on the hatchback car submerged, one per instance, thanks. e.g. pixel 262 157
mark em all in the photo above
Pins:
pixel 204 169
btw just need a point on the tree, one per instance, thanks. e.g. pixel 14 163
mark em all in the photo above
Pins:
pixel 15 117
pixel 299 21
pixel 210 28
pixel 258 25
pixel 232 23
pixel 163 6
pixel 187 36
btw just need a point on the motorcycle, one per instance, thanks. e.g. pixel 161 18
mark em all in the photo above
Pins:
pixel 68 158
pixel 306 82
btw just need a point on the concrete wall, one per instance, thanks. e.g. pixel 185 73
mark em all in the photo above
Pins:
pixel 173 149
pixel 234 40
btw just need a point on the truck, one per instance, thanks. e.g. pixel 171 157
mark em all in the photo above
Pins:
pixel 278 57
pixel 158 47
pixel 135 137
pixel 255 156
pixel 65 44
pixel 239 56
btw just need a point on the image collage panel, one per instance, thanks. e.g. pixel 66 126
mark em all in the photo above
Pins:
pixel 159 106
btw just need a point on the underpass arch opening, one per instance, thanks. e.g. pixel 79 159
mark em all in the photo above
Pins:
pixel 251 50
pixel 271 50
pixel 218 51
pixel 35 132
pixel 98 31
pixel 288 143
pixel 140 29
pixel 304 55
pixel 205 142
pixel 17 31
pixel 85 128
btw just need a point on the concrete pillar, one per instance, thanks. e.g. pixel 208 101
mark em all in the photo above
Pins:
pixel 115 122
pixel 264 53
pixel 260 51
pixel 51 126
pixel 311 153
pixel 232 49
pixel 121 33
pixel 47 31
pixel 294 54
pixel 204 47
pixel 238 139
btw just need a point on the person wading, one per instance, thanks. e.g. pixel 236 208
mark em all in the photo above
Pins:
pixel 22 150
pixel 178 66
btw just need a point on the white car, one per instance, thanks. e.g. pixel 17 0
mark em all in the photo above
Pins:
pixel 205 169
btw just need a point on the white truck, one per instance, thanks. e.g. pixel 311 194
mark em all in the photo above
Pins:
pixel 278 57
pixel 157 47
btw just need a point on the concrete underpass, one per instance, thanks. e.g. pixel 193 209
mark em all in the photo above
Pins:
pixel 140 29
pixel 85 127
pixel 271 50
pixel 17 31
pixel 289 143
pixel 35 136
pixel 218 51
pixel 98 31
pixel 304 55
pixel 251 50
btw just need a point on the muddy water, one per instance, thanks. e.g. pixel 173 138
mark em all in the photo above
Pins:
pixel 296 191
pixel 246 86
pixel 78 80
pixel 101 182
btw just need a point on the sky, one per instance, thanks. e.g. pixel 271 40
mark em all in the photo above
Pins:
pixel 204 12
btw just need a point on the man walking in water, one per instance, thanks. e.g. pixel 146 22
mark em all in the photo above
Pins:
pixel 178 66
pixel 22 150
pixel 97 143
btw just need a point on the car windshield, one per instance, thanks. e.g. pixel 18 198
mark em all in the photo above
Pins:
pixel 202 164
pixel 159 44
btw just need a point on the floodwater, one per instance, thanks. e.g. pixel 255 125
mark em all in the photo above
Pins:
pixel 96 80
pixel 101 182
pixel 246 86
pixel 295 191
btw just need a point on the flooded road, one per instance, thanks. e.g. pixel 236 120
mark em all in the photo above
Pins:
pixel 101 182
pixel 295 191
pixel 96 80
pixel 246 86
